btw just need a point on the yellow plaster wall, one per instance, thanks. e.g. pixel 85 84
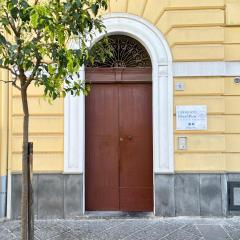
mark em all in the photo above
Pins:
pixel 218 148
pixel 1 128
pixel 46 131
pixel 3 123
pixel 206 30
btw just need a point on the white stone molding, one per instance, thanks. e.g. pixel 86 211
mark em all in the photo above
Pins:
pixel 74 132
pixel 162 82
pixel 206 69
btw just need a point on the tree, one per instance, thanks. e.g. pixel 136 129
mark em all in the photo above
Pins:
pixel 34 36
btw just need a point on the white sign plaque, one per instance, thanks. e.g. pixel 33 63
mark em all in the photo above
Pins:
pixel 191 117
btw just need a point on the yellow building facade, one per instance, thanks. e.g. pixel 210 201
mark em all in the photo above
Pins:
pixel 203 40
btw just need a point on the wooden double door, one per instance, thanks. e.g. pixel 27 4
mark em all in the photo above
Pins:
pixel 119 165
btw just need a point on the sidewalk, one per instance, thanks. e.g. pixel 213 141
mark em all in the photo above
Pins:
pixel 130 229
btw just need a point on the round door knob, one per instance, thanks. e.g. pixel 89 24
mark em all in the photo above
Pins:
pixel 121 139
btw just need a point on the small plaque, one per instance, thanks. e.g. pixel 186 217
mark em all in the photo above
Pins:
pixel 191 117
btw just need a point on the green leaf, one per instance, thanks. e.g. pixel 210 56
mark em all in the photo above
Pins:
pixel 51 69
pixel 45 29
pixel 4 21
pixel 3 40
pixel 34 19
pixel 95 8
pixel 14 12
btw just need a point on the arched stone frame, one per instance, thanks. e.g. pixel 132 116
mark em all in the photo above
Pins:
pixel 162 94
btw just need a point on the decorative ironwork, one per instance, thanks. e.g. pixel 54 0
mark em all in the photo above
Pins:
pixel 126 52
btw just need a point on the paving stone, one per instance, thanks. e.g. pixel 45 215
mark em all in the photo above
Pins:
pixel 129 229
pixel 232 231
pixel 131 237
pixel 50 232
pixel 65 236
pixel 148 233
pixel 122 230
pixel 11 225
pixel 93 225
pixel 17 231
pixel 192 229
pixel 6 235
pixel 45 224
pixel 213 232
pixel 85 235
pixel 180 234
pixel 157 231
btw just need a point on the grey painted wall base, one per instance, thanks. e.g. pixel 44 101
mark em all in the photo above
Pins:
pixel 193 194
pixel 61 195
pixel 3 196
pixel 55 195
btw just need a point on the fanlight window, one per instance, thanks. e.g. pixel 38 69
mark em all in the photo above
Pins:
pixel 126 52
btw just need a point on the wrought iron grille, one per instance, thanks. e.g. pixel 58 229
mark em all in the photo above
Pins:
pixel 126 52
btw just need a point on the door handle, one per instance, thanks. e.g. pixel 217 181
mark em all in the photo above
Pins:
pixel 121 139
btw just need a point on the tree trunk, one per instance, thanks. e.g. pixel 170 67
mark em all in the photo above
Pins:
pixel 30 193
pixel 24 203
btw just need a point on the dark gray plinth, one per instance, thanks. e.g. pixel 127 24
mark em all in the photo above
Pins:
pixel 235 177
pixel 164 195
pixel 16 196
pixel 193 194
pixel 210 195
pixel 50 196
pixel 224 194
pixel 73 196
pixel 3 196
pixel 61 195
pixel 55 195
pixel 187 195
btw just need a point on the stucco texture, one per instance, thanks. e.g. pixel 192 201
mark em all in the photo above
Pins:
pixel 206 30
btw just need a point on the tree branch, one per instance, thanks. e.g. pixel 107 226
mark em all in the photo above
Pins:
pixel 9 69
pixel 32 76
pixel 5 81
pixel 13 83
pixel 16 86
pixel 11 22
pixel 38 62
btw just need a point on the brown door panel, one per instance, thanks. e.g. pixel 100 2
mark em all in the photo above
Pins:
pixel 135 164
pixel 102 161
pixel 136 199
pixel 136 170
pixel 119 165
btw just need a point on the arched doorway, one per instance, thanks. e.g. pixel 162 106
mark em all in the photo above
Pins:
pixel 162 104
pixel 119 149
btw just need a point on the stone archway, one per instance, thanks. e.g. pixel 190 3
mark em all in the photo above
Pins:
pixel 162 82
